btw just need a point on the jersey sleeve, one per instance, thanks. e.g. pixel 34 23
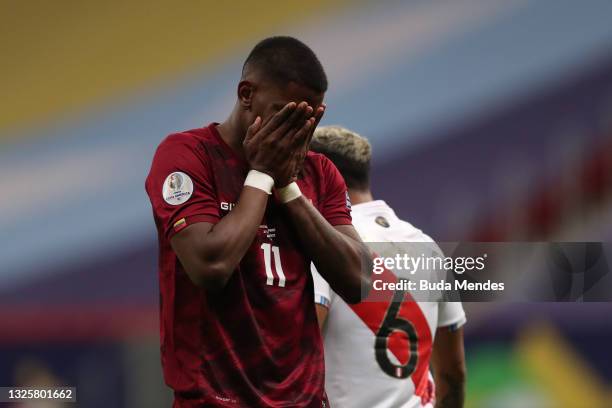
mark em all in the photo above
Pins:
pixel 322 290
pixel 336 206
pixel 451 314
pixel 180 186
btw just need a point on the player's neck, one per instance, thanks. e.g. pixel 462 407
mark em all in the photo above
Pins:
pixel 231 134
pixel 360 196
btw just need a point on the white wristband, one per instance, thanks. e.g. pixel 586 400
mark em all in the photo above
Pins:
pixel 288 193
pixel 259 180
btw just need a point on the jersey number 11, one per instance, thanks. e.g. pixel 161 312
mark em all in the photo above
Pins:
pixel 268 250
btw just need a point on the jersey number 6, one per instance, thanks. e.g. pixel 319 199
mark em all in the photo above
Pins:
pixel 393 323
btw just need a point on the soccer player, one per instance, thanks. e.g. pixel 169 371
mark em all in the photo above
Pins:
pixel 377 354
pixel 242 208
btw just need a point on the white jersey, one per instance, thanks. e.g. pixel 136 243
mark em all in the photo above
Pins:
pixel 390 370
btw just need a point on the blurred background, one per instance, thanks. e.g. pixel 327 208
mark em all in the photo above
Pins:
pixel 490 120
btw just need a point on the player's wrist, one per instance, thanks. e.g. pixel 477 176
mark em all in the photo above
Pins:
pixel 288 193
pixel 260 180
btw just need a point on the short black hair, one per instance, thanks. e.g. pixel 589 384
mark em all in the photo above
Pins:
pixel 287 59
pixel 350 152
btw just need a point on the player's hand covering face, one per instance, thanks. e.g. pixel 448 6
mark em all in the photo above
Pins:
pixel 318 114
pixel 284 119
pixel 279 146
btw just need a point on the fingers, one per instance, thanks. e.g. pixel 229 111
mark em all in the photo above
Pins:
pixel 317 117
pixel 303 134
pixel 279 117
pixel 300 144
pixel 319 114
pixel 252 130
pixel 296 120
pixel 289 121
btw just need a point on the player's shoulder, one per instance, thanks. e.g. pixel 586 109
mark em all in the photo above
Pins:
pixel 186 139
pixel 320 163
pixel 411 233
pixel 315 157
pixel 184 150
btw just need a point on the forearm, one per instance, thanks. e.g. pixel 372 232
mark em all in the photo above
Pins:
pixel 338 258
pixel 231 237
pixel 450 391
pixel 211 255
pixel 448 363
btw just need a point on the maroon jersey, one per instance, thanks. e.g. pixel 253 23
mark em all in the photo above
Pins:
pixel 256 343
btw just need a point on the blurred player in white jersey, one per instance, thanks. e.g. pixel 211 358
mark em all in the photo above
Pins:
pixel 377 354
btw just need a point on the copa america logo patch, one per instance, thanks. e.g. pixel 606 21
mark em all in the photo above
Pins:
pixel 178 187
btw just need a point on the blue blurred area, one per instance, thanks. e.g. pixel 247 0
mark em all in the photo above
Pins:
pixel 489 120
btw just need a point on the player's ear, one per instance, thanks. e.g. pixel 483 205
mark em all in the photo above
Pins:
pixel 245 94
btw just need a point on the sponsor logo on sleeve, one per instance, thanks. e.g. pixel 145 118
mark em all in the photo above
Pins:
pixel 177 189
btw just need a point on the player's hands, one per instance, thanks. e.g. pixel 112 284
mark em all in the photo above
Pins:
pixel 289 168
pixel 299 162
pixel 272 148
pixel 293 166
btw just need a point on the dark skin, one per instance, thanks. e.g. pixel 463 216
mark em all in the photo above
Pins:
pixel 271 127
pixel 448 363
